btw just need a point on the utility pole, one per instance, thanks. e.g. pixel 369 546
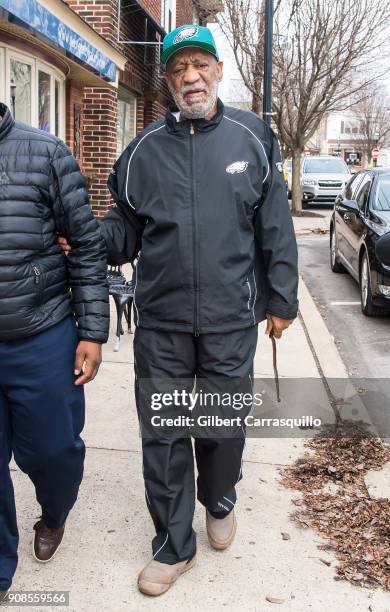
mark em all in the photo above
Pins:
pixel 267 79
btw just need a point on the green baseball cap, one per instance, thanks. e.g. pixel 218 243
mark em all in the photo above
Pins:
pixel 188 36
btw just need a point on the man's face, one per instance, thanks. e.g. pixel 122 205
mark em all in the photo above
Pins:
pixel 192 76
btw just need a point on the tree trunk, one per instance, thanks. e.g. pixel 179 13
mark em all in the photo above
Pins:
pixel 296 181
pixel 257 104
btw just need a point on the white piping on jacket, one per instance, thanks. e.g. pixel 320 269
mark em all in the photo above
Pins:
pixel 254 301
pixel 258 140
pixel 135 288
pixel 243 450
pixel 161 547
pixel 131 157
pixel 250 293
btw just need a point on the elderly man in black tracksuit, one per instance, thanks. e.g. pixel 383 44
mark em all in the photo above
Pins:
pixel 201 198
pixel 54 316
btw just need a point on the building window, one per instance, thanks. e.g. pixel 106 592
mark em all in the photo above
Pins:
pixel 57 95
pixel 127 119
pixel 20 87
pixel 43 101
pixel 351 127
pixel 168 12
pixel 34 91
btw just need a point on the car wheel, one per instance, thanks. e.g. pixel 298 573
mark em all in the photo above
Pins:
pixel 368 306
pixel 335 264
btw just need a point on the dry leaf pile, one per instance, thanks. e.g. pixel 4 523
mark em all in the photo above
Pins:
pixel 355 527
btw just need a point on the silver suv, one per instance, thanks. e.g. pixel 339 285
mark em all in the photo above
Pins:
pixel 323 178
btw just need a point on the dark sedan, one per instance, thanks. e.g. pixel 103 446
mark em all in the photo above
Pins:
pixel 360 217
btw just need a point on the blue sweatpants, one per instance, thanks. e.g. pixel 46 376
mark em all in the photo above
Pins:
pixel 41 417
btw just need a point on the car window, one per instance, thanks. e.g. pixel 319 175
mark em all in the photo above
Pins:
pixel 363 191
pixel 381 200
pixel 324 166
pixel 351 187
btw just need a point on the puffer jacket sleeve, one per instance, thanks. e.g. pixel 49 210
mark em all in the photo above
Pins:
pixel 86 263
pixel 276 238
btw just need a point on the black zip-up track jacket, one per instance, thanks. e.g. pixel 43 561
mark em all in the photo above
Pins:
pixel 205 204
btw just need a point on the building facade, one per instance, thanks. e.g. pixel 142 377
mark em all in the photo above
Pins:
pixel 87 71
pixel 343 134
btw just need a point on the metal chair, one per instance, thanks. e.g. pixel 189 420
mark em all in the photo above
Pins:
pixel 123 292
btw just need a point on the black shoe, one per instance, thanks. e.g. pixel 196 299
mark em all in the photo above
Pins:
pixel 3 595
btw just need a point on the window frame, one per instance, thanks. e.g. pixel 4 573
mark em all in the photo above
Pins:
pixel 358 175
pixel 362 184
pixel 10 53
pixel 375 187
pixel 168 6
pixel 122 93
pixel 6 53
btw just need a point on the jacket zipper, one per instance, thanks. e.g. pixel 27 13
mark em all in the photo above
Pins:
pixel 194 233
pixel 38 281
pixel 37 274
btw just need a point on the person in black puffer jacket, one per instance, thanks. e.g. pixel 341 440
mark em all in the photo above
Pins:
pixel 54 316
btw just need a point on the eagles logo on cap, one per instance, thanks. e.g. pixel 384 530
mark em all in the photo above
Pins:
pixel 188 36
pixel 184 34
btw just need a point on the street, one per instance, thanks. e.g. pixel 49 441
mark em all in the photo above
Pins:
pixel 363 342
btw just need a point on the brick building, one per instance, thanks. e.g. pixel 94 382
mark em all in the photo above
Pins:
pixel 87 71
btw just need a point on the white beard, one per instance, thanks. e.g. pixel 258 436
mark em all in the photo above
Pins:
pixel 199 110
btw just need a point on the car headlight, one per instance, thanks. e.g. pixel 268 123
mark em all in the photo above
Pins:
pixel 309 181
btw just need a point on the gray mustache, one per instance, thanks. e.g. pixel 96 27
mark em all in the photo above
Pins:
pixel 186 90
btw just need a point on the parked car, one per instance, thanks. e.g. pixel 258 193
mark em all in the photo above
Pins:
pixel 323 178
pixel 382 249
pixel 287 173
pixel 361 216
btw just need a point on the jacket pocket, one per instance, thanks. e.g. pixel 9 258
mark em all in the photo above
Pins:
pixel 38 283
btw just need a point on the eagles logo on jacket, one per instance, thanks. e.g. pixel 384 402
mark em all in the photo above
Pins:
pixel 205 205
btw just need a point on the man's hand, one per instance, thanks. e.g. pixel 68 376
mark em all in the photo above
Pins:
pixel 88 360
pixel 64 244
pixel 276 325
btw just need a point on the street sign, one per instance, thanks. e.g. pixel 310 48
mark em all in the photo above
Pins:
pixel 375 153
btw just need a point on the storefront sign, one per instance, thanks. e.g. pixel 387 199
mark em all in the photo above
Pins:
pixel 39 18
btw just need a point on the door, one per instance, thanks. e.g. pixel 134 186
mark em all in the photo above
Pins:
pixel 355 222
pixel 342 214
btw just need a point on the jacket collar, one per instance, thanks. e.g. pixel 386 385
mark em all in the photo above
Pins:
pixel 7 120
pixel 200 125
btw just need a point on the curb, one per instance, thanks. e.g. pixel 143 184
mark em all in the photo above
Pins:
pixel 343 398
pixel 323 342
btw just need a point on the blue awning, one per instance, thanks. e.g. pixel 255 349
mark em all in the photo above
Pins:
pixel 38 18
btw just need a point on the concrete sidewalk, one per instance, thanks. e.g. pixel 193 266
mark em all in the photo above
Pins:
pixel 109 531
pixel 304 226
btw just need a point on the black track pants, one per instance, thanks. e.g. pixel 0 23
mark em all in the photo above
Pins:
pixel 168 465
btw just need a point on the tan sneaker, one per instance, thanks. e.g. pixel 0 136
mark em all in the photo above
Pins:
pixel 156 578
pixel 221 532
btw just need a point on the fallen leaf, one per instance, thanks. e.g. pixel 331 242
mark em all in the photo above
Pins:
pixel 285 536
pixel 275 600
pixel 325 561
